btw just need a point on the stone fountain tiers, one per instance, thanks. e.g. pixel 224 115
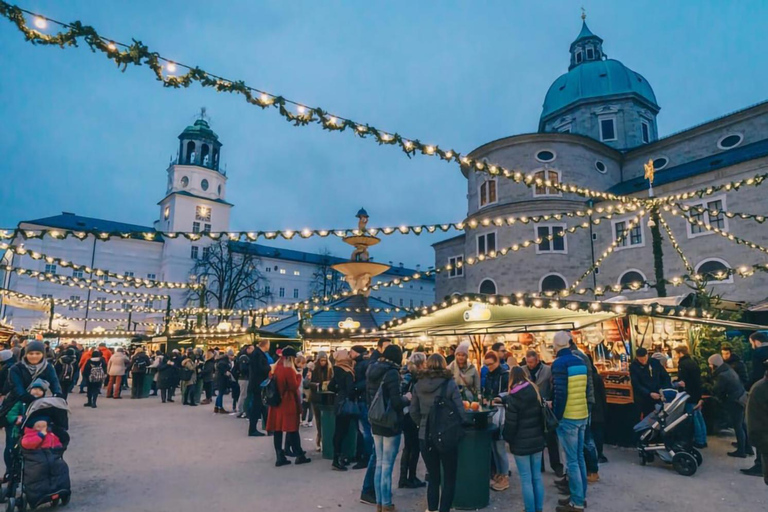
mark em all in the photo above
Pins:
pixel 356 268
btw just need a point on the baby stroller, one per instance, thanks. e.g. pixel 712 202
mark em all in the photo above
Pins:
pixel 41 476
pixel 667 433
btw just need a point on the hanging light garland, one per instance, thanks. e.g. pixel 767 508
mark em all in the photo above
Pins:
pixel 760 219
pixel 19 295
pixel 725 234
pixel 753 181
pixel 77 283
pixel 106 320
pixel 166 71
pixel 678 249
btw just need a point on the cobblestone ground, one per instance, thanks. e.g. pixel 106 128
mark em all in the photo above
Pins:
pixel 141 455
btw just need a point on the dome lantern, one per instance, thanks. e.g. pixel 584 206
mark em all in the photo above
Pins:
pixel 199 144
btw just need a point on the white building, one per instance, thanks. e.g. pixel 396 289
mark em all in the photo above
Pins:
pixel 194 202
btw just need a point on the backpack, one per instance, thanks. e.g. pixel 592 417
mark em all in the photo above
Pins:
pixel 139 366
pixel 444 423
pixel 271 394
pixel 381 413
pixel 67 371
pixel 97 373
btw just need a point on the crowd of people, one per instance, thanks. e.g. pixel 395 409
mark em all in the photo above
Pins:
pixel 389 396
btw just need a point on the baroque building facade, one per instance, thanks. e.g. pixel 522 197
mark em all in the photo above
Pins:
pixel 597 130
pixel 194 202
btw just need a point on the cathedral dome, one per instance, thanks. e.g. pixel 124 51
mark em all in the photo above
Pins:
pixel 200 130
pixel 596 79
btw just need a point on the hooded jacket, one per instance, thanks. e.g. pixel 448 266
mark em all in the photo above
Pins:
pixel 739 367
pixel 524 421
pixel 94 361
pixel 728 386
pixel 386 374
pixel 426 390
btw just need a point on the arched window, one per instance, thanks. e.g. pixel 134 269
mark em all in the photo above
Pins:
pixel 552 283
pixel 190 152
pixel 488 192
pixel 633 280
pixel 488 287
pixel 541 188
pixel 204 157
pixel 715 271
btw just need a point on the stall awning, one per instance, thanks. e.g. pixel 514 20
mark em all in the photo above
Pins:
pixel 468 317
pixel 739 326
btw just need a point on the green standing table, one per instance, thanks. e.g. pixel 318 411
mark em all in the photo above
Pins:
pixel 474 472
pixel 349 446
pixel 147 384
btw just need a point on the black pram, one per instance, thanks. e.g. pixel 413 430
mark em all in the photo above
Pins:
pixel 41 475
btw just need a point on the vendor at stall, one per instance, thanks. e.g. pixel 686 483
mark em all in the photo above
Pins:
pixel 648 378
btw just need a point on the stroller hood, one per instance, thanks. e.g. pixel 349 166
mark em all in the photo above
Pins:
pixel 55 408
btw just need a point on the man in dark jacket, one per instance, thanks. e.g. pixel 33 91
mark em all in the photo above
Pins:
pixel 731 393
pixel 734 361
pixel 757 419
pixel 541 375
pixel 689 378
pixel 242 375
pixel 648 378
pixel 258 371
pixel 366 457
pixel 759 342
pixel 139 366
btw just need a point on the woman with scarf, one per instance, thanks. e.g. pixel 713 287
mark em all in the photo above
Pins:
pixel 319 379
pixel 33 365
pixel 342 383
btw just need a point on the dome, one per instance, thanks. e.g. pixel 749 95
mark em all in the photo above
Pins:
pixel 200 130
pixel 596 79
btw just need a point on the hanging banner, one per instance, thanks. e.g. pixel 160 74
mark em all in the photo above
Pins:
pixel 17 302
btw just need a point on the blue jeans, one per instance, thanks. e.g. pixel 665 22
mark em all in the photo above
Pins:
pixel 386 453
pixel 699 427
pixel 220 400
pixel 365 429
pixel 529 470
pixel 571 434
pixel 590 449
pixel 499 456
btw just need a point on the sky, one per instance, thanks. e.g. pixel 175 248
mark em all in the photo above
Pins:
pixel 78 135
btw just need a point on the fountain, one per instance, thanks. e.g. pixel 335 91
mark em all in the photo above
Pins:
pixel 359 271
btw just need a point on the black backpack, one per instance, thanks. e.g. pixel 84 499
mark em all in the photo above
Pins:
pixel 139 366
pixel 271 394
pixel 67 371
pixel 444 423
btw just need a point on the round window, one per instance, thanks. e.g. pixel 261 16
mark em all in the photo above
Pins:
pixel 204 184
pixel 600 166
pixel 660 163
pixel 730 141
pixel 545 156
pixel 184 182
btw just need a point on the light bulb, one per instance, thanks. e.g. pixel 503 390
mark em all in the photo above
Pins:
pixel 111 46
pixel 171 67
pixel 40 22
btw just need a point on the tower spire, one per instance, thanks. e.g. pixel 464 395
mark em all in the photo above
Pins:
pixel 583 14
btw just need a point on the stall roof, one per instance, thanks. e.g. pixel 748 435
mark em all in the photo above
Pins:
pixel 686 300
pixel 473 317
pixel 741 326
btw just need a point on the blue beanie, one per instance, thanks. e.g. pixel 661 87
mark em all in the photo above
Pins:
pixel 34 346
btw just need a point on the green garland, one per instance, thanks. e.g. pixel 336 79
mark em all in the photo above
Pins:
pixel 760 219
pixel 138 54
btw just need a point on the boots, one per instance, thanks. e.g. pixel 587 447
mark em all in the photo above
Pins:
pixel 337 465
pixel 302 459
pixel 501 483
pixel 388 508
pixel 593 478
pixel 281 459
pixel 205 401
pixel 216 410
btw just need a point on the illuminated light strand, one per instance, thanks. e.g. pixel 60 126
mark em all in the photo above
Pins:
pixel 122 280
pixel 74 282
pixel 290 234
pixel 725 234
pixel 97 302
pixel 165 71
pixel 62 279
pixel 760 219
pixel 753 181
pixel 611 248
pixel 678 249
pixel 107 320
pixel 94 333
pixel 20 295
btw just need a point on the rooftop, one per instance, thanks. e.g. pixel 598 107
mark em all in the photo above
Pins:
pixel 75 222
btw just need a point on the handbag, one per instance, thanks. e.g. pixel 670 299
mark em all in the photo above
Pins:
pixel 381 413
pixel 347 408
pixel 548 415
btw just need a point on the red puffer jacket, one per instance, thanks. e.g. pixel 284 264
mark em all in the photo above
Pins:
pixel 34 440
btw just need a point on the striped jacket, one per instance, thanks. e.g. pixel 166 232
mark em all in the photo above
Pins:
pixel 569 375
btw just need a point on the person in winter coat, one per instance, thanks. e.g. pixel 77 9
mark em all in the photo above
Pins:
pixel 734 361
pixel 32 366
pixel 223 375
pixel 39 438
pixel 319 379
pixel 689 378
pixel 139 366
pixel 384 374
pixel 66 371
pixel 14 418
pixel 541 374
pixel 597 420
pixel 648 377
pixel 286 416
pixel 757 419
pixel 116 367
pixel 207 374
pixel 189 367
pixel 759 342
pixel 6 361
pixel 342 383
pixel 496 383
pixel 94 372
pixel 409 460
pixel 465 374
pixel 166 377
pixel 730 392
pixel 241 371
pixel 441 466
pixel 258 371
pixel 524 431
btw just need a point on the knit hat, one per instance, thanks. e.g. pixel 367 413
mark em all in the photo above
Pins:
pixel 39 383
pixel 35 346
pixel 463 348
pixel 561 340
pixel 641 352
pixel 321 355
pixel 6 355
pixel 393 353
pixel 289 352
pixel 716 360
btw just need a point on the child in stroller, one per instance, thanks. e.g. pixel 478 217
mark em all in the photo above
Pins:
pixel 40 474
pixel 668 433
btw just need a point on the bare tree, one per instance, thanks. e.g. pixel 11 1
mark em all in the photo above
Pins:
pixel 326 280
pixel 231 275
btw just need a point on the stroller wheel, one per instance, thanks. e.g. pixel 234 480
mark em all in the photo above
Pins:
pixel 11 506
pixel 65 500
pixel 684 463
pixel 697 455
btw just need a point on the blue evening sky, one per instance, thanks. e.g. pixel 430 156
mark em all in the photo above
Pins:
pixel 77 135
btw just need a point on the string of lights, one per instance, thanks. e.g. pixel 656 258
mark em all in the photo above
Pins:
pixel 78 283
pixel 107 320
pixel 19 295
pixel 122 280
pixel 687 208
pixel 725 234
pixel 167 72
pixel 753 181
